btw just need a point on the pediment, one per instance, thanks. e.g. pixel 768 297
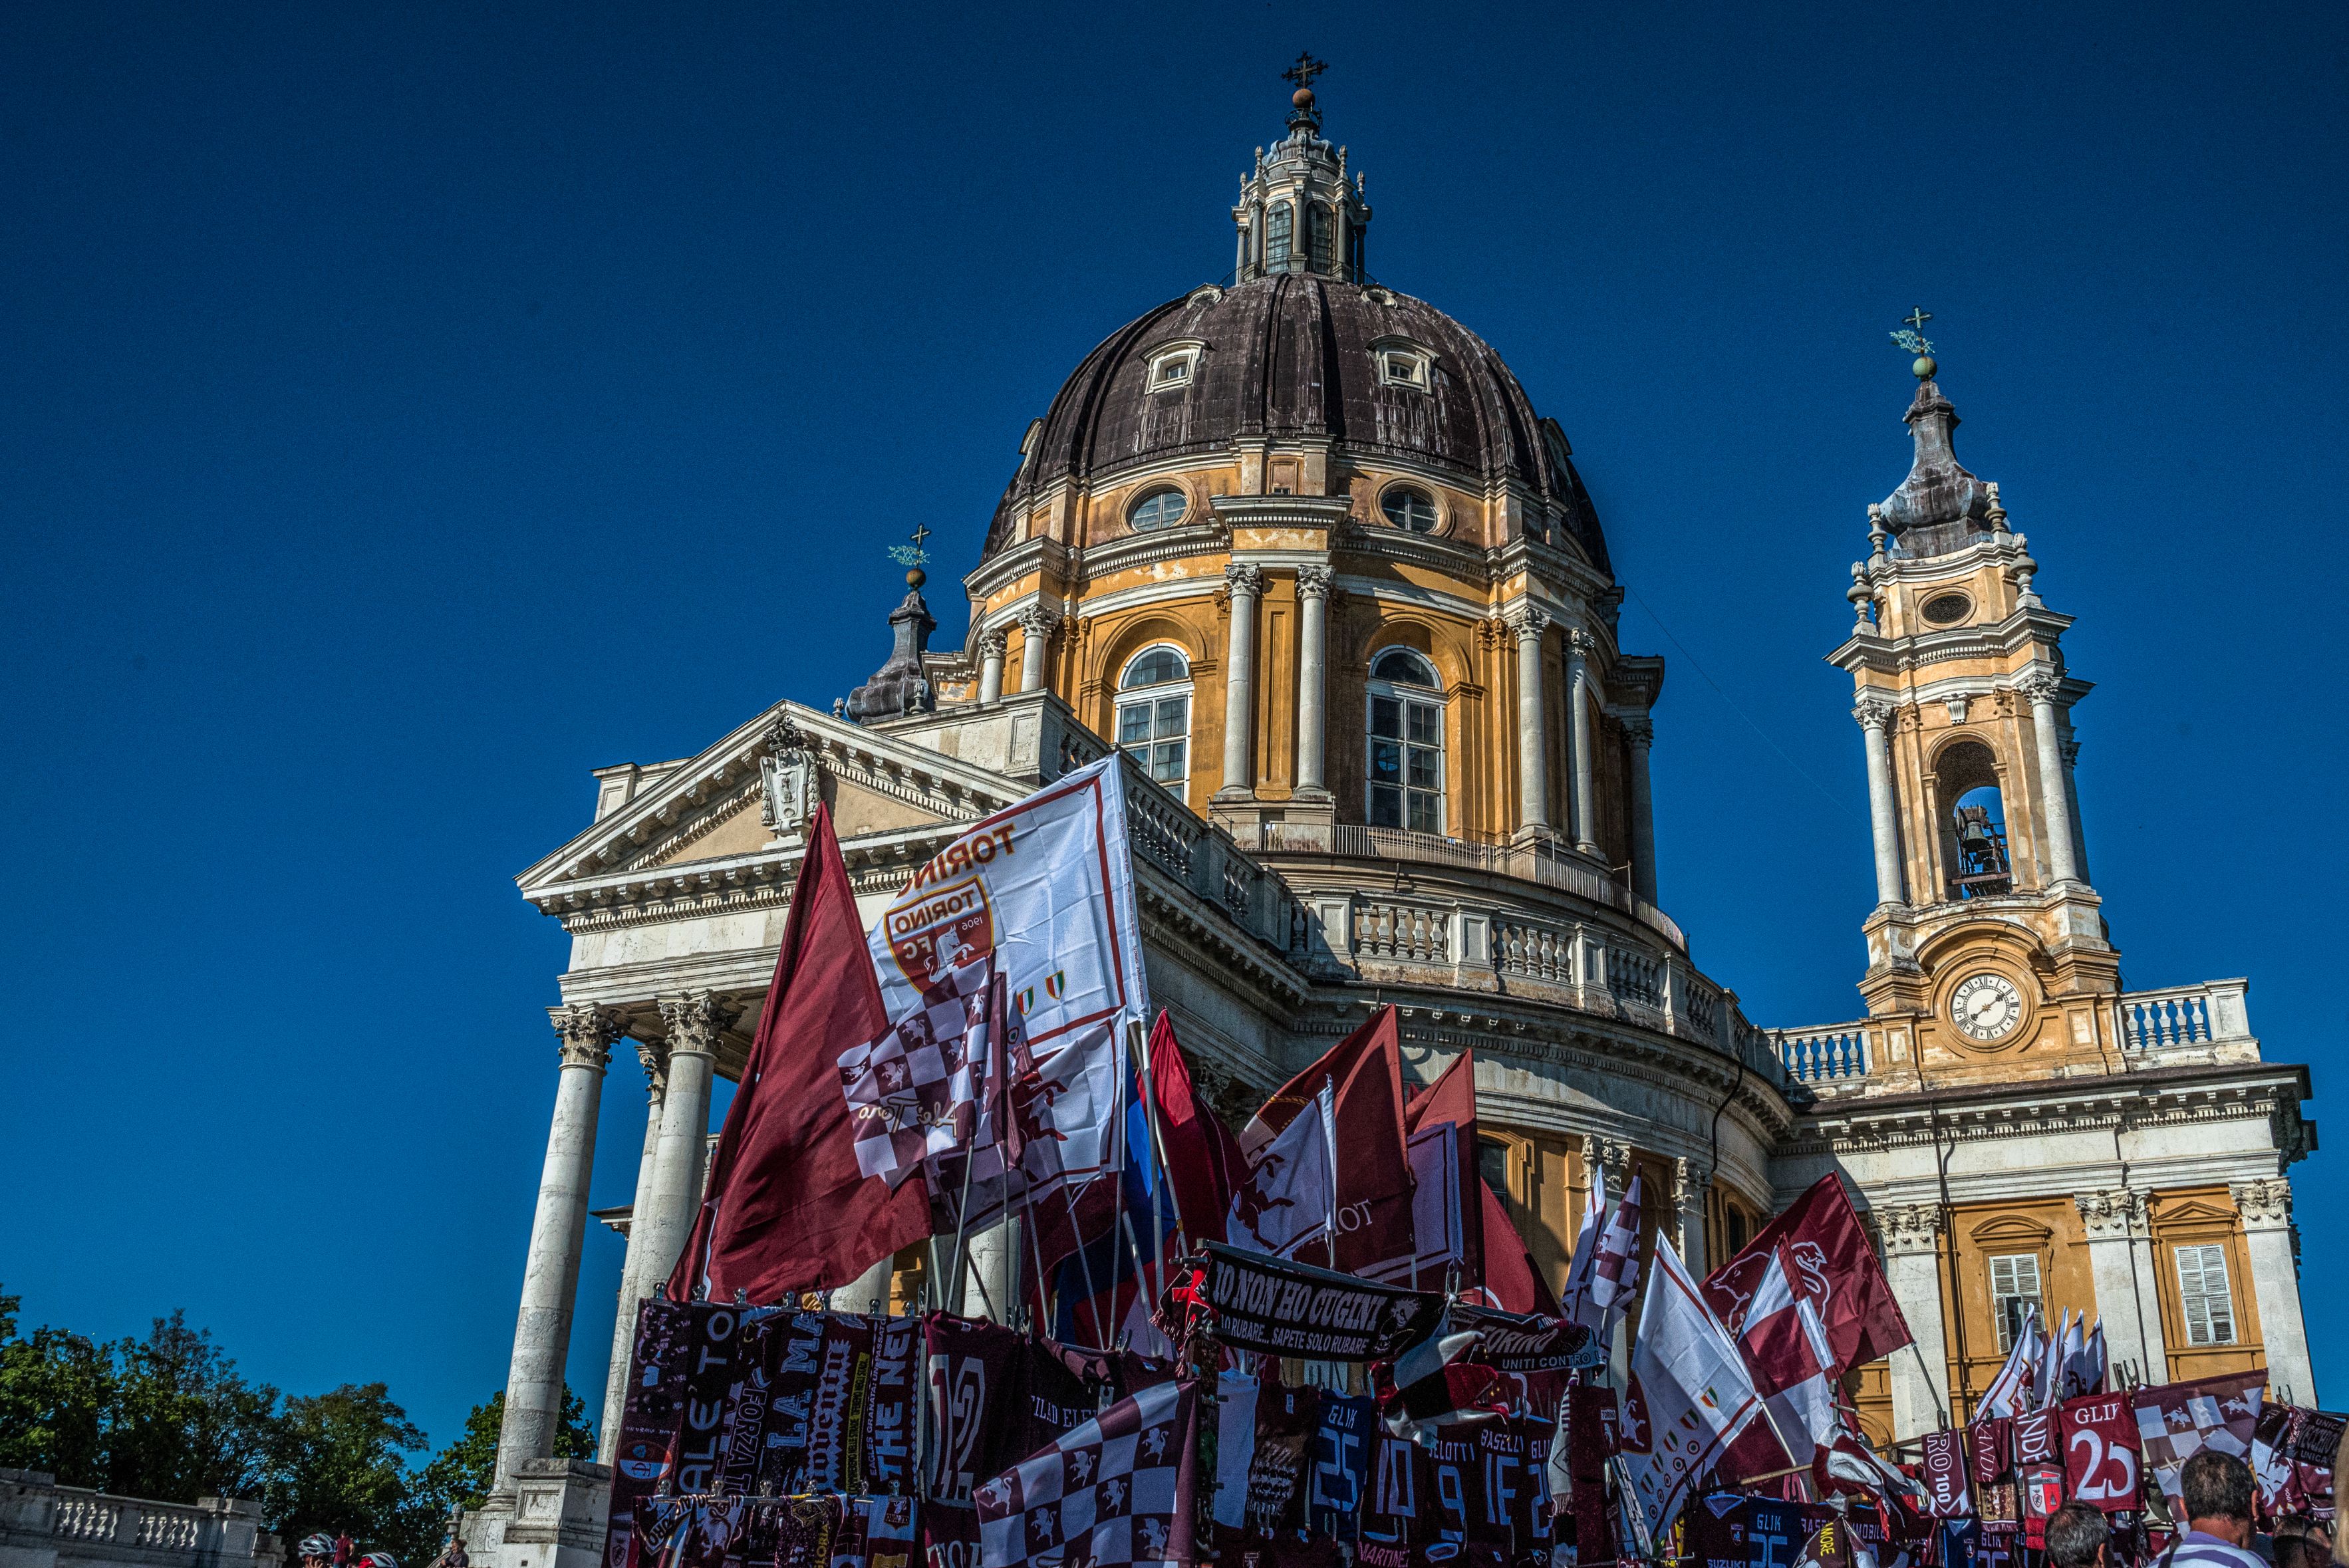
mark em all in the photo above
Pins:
pixel 2196 1212
pixel 2011 1230
pixel 710 808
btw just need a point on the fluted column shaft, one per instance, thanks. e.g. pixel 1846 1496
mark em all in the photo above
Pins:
pixel 632 1291
pixel 1313 677
pixel 2055 796
pixel 1239 684
pixel 550 1280
pixel 1579 645
pixel 1533 721
pixel 1875 717
pixel 990 669
pixel 1641 734
pixel 694 1021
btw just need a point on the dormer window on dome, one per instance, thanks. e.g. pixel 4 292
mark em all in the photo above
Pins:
pixel 1175 365
pixel 1403 363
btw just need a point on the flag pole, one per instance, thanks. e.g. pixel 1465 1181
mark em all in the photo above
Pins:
pixel 1325 1108
pixel 1158 1166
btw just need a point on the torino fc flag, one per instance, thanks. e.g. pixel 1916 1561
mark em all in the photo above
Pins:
pixel 1045 885
pixel 1690 1393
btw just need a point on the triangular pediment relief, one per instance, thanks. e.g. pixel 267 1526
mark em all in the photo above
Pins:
pixel 2194 1212
pixel 2011 1230
pixel 712 807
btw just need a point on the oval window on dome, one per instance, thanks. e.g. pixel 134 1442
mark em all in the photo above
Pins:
pixel 1947 609
pixel 1409 507
pixel 1162 508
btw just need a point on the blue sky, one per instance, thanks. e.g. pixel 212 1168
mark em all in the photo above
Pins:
pixel 403 411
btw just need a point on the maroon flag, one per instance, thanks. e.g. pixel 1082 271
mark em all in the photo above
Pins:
pixel 2101 1464
pixel 1373 1170
pixel 1510 1276
pixel 1828 1258
pixel 1451 1098
pixel 1947 1494
pixel 1204 1165
pixel 789 1209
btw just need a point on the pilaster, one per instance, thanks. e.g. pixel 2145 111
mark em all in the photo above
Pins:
pixel 2265 1206
pixel 1912 1262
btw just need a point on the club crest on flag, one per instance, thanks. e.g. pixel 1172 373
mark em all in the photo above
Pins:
pixel 941 931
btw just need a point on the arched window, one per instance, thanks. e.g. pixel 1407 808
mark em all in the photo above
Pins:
pixel 1966 776
pixel 1406 743
pixel 1320 239
pixel 1162 508
pixel 1276 228
pixel 1409 507
pixel 1154 715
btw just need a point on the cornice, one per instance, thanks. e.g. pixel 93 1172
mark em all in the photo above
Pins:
pixel 2021 630
pixel 1329 511
pixel 1042 554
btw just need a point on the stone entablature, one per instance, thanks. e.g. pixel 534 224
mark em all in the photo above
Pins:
pixel 45 1525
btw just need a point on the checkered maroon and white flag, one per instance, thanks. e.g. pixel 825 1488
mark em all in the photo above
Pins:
pixel 1116 1491
pixel 914 1092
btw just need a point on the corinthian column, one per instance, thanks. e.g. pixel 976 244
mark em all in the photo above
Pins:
pixel 2266 1207
pixel 694 1021
pixel 1533 720
pixel 550 1279
pixel 1313 677
pixel 1874 717
pixel 990 668
pixel 1036 623
pixel 1240 686
pixel 1912 1262
pixel 2055 799
pixel 1579 645
pixel 1641 734
pixel 654 1057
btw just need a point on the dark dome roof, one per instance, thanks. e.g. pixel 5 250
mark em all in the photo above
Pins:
pixel 1291 355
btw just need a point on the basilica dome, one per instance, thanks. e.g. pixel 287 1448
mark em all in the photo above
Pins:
pixel 1384 376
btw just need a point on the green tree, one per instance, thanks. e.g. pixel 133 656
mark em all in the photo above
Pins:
pixel 182 1424
pixel 56 1391
pixel 459 1475
pixel 336 1463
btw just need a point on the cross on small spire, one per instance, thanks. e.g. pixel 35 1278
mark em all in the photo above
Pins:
pixel 1306 69
pixel 1917 318
pixel 913 554
pixel 921 532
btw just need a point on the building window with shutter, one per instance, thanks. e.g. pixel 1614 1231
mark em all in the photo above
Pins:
pixel 2202 1291
pixel 2014 1295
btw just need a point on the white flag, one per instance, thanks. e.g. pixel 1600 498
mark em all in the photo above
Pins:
pixel 1690 1393
pixel 1046 885
pixel 1586 1249
pixel 1288 1202
pixel 1614 1268
pixel 2009 1392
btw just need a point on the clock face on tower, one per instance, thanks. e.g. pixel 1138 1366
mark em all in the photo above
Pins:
pixel 1986 1007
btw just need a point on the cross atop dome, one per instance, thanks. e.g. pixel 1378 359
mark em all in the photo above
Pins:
pixel 1303 111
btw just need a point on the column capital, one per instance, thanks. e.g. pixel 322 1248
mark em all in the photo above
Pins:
pixel 1639 731
pixel 653 1057
pixel 695 1020
pixel 2037 689
pixel 1528 621
pixel 2071 753
pixel 2111 1214
pixel 1874 713
pixel 587 1034
pixel 1688 1184
pixel 1909 1230
pixel 1038 622
pixel 1244 579
pixel 1605 1154
pixel 1580 644
pixel 1313 581
pixel 2265 1204
pixel 992 643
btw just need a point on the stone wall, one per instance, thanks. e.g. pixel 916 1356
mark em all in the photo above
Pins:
pixel 45 1525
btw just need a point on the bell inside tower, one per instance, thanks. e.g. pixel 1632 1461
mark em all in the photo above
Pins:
pixel 1967 778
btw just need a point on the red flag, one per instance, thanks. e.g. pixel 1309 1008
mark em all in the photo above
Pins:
pixel 1453 1098
pixel 788 1209
pixel 1829 1260
pixel 1510 1276
pixel 1204 1165
pixel 1374 1185
pixel 1336 1065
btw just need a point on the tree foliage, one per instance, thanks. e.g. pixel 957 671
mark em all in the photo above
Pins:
pixel 169 1417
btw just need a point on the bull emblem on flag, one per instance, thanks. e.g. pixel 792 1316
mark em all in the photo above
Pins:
pixel 941 931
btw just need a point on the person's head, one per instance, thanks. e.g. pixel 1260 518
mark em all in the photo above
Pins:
pixel 2218 1491
pixel 2302 1542
pixel 2076 1534
pixel 315 1549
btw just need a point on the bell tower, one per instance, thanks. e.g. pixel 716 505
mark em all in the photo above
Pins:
pixel 1987 952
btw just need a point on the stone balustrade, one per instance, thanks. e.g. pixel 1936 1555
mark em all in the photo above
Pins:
pixel 45 1525
pixel 2208 1015
pixel 1830 1055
